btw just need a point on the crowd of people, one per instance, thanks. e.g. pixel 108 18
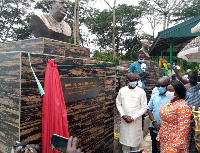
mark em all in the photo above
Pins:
pixel 169 109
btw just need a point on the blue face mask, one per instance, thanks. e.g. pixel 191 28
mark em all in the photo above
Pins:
pixel 133 84
pixel 161 90
pixel 141 61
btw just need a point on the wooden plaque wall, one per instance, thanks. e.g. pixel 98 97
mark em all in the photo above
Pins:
pixel 91 120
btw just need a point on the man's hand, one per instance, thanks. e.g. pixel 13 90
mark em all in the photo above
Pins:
pixel 30 150
pixel 142 150
pixel 127 118
pixel 158 145
pixel 18 149
pixel 142 74
pixel 157 126
pixel 71 146
pixel 175 69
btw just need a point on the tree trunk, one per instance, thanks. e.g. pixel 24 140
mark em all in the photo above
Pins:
pixel 113 36
pixel 168 19
pixel 164 22
pixel 75 20
pixel 77 24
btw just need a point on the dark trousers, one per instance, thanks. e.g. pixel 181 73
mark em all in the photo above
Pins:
pixel 154 142
pixel 192 146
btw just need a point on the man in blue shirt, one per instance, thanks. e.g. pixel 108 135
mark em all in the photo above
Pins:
pixel 139 67
pixel 153 109
pixel 192 99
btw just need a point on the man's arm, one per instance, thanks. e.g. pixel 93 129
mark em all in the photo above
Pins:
pixel 143 108
pixel 119 103
pixel 184 81
pixel 131 68
pixel 155 124
pixel 119 107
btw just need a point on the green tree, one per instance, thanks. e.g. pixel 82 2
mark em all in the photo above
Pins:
pixel 189 10
pixel 106 56
pixel 14 20
pixel 100 24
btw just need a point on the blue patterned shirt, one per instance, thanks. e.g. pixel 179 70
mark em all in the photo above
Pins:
pixel 155 104
pixel 193 96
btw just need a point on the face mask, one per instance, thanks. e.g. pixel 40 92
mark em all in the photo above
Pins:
pixel 170 95
pixel 193 81
pixel 141 61
pixel 133 84
pixel 140 83
pixel 161 90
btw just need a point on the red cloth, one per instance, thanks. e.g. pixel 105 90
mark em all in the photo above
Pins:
pixel 54 112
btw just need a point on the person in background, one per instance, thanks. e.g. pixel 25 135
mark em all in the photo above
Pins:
pixel 153 109
pixel 169 72
pixel 192 94
pixel 192 99
pixel 139 67
pixel 175 121
pixel 185 76
pixel 155 90
pixel 131 103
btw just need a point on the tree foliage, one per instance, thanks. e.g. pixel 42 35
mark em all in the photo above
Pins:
pixel 100 24
pixel 106 56
pixel 189 10
pixel 14 20
pixel 162 10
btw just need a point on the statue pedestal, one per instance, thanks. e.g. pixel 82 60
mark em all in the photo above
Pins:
pixel 91 119
pixel 47 46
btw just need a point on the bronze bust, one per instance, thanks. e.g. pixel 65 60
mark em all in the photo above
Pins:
pixel 145 48
pixel 52 25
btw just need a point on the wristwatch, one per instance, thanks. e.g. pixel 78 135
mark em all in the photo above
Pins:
pixel 154 121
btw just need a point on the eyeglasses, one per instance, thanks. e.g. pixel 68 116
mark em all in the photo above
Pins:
pixel 160 85
pixel 62 2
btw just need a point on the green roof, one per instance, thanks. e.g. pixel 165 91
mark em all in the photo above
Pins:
pixel 181 35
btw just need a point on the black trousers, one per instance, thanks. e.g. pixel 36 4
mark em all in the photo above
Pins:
pixel 154 142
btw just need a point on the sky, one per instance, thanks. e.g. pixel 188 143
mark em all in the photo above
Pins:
pixel 100 4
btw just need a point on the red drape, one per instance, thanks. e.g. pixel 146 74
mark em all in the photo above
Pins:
pixel 54 112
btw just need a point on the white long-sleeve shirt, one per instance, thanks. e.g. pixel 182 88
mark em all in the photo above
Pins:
pixel 131 102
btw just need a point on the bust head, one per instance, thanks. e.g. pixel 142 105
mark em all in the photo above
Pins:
pixel 58 9
pixel 52 25
pixel 145 44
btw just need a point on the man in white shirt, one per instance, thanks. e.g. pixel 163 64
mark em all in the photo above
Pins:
pixel 131 103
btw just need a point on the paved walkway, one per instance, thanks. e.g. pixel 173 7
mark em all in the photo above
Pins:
pixel 147 143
